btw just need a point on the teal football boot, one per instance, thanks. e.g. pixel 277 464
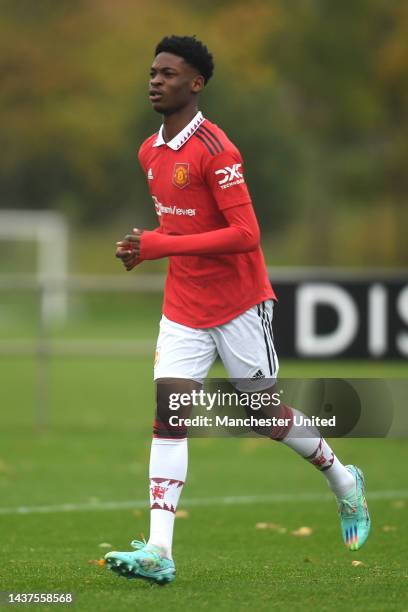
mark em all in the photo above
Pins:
pixel 354 518
pixel 146 562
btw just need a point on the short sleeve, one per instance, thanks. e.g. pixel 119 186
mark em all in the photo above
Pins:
pixel 225 178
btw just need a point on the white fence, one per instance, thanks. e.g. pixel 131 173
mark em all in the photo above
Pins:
pixel 42 345
pixel 49 229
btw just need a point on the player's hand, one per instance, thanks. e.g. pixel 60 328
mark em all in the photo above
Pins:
pixel 128 249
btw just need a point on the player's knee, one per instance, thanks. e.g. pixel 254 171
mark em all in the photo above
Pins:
pixel 170 411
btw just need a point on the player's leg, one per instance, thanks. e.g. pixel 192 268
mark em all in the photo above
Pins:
pixel 168 459
pixel 183 357
pixel 346 482
pixel 247 350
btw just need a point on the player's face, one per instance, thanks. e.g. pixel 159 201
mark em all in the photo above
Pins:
pixel 173 83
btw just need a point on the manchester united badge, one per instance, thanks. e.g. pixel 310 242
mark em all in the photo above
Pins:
pixel 181 175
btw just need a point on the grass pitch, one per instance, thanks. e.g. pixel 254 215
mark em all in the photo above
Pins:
pixel 94 448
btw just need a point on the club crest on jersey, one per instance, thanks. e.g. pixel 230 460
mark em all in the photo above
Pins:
pixel 181 175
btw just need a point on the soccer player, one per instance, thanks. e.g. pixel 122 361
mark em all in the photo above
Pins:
pixel 218 298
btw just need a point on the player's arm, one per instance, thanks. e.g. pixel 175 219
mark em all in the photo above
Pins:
pixel 241 236
pixel 234 202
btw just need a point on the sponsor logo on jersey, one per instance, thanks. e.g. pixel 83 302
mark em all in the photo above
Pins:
pixel 162 209
pixel 150 174
pixel 231 176
pixel 181 175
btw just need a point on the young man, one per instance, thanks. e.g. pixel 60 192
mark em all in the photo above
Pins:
pixel 218 298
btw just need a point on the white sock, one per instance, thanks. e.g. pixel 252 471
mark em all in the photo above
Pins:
pixel 167 473
pixel 308 442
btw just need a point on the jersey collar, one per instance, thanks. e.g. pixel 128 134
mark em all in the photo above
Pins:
pixel 182 137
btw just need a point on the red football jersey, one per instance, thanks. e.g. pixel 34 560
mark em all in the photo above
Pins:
pixel 192 179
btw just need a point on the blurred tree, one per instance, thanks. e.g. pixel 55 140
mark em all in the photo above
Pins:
pixel 314 93
pixel 392 82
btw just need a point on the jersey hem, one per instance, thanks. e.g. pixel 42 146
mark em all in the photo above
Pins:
pixel 188 323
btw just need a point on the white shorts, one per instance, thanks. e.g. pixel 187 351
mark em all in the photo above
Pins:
pixel 245 346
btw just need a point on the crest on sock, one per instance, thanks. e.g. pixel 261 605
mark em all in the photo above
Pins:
pixel 164 493
pixel 323 456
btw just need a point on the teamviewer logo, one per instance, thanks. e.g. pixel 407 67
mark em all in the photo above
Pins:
pixel 231 176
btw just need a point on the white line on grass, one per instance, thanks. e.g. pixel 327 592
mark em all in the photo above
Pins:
pixel 272 498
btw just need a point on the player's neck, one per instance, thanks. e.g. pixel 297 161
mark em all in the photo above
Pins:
pixel 174 123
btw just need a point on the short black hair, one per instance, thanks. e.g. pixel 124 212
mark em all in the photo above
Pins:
pixel 193 51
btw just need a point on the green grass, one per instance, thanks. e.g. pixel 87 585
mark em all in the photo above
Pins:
pixel 94 445
pixel 95 315
pixel 223 562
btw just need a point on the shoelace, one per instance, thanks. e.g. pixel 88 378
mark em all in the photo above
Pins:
pixel 347 507
pixel 139 544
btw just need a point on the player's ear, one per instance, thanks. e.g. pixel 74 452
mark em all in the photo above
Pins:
pixel 197 84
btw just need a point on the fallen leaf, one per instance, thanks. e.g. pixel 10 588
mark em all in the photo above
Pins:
pixel 303 532
pixel 356 563
pixel 271 526
pixel 105 545
pixel 400 503
pixel 137 513
pixel 388 528
pixel 181 514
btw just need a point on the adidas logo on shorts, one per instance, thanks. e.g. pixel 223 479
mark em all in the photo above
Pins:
pixel 258 374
